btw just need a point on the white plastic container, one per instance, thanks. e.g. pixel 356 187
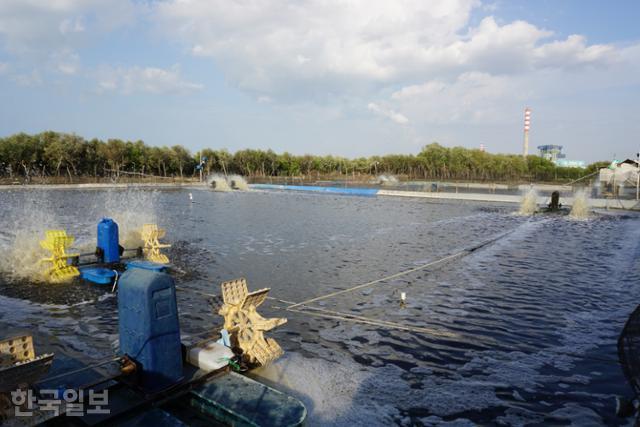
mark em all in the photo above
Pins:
pixel 209 356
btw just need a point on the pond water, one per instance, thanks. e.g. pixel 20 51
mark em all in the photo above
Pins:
pixel 532 319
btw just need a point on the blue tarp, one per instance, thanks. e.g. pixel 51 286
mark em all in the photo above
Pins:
pixel 334 190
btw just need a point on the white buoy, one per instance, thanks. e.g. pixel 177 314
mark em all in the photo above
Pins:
pixel 403 299
pixel 191 197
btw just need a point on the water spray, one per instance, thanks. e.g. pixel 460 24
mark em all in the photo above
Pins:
pixel 529 203
pixel 580 208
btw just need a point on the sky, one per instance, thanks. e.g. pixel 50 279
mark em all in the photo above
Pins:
pixel 350 78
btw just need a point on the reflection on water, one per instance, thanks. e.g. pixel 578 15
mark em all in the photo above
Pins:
pixel 536 314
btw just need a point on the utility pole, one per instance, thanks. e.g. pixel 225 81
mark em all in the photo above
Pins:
pixel 200 165
pixel 527 125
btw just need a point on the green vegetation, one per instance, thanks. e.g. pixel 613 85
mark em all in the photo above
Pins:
pixel 53 154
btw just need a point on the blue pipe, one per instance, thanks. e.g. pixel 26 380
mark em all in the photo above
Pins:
pixel 367 192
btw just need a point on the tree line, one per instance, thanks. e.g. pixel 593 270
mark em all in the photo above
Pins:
pixel 49 153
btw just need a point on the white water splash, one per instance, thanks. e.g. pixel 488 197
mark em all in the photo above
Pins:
pixel 130 209
pixel 218 182
pixel 237 182
pixel 529 203
pixel 580 208
pixel 23 253
pixel 387 180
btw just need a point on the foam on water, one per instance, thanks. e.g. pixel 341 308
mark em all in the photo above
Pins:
pixel 340 393
pixel 319 383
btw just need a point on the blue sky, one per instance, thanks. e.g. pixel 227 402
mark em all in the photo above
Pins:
pixel 351 78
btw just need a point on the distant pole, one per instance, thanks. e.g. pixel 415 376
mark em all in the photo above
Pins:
pixel 200 165
pixel 527 125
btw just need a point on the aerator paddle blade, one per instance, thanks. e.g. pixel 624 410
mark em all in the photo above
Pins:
pixel 151 234
pixel 20 365
pixel 57 241
pixel 246 326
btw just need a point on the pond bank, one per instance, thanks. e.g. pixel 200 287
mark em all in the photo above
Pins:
pixel 475 197
pixel 99 186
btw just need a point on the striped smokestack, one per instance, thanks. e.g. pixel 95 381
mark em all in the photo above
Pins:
pixel 527 126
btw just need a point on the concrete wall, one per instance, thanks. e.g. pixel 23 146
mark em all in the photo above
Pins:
pixel 508 198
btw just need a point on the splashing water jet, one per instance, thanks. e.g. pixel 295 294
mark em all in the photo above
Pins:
pixel 238 182
pixel 580 208
pixel 529 203
pixel 218 182
pixel 23 252
pixel 131 209
pixel 387 180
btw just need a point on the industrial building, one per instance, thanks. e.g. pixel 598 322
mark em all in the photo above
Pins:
pixel 554 154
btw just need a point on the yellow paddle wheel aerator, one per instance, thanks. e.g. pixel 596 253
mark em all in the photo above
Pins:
pixel 151 236
pixel 56 242
pixel 246 326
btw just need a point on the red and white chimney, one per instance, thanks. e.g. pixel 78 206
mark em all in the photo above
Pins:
pixel 527 126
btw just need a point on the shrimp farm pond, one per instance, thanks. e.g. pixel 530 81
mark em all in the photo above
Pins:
pixel 507 319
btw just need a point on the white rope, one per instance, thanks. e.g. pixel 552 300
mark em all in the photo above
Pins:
pixel 374 282
pixel 336 315
pixel 402 273
pixel 329 314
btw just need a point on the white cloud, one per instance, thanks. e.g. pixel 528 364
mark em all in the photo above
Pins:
pixel 287 48
pixel 302 59
pixel 425 65
pixel 65 61
pixel 30 27
pixel 148 79
pixel 389 113
pixel 44 38
pixel 271 46
pixel 472 97
pixel 574 52
pixel 72 25
pixel 32 78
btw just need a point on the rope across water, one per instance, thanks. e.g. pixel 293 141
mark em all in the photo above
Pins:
pixel 303 307
pixel 456 255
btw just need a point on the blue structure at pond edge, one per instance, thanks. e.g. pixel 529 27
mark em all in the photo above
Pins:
pixel 370 192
